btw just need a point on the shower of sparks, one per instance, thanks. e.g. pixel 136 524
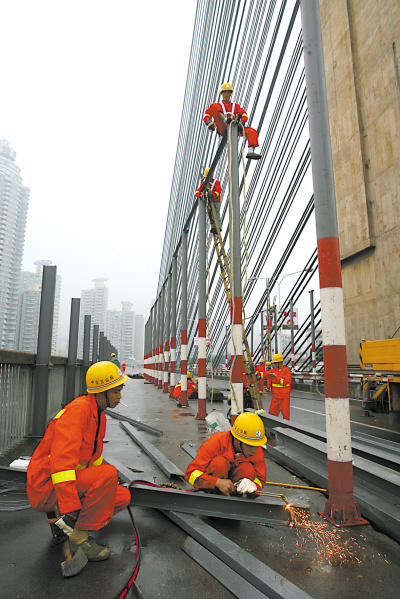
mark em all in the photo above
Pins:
pixel 330 546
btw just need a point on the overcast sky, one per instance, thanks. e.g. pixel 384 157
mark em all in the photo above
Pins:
pixel 92 95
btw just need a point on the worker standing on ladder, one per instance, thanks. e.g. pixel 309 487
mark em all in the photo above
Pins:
pixel 213 195
pixel 280 378
pixel 260 370
pixel 232 462
pixel 67 469
pixel 217 115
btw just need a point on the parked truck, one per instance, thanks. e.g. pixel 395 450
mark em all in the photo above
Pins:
pixel 380 364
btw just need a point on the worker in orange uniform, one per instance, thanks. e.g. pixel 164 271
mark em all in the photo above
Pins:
pixel 232 462
pixel 213 195
pixel 260 370
pixel 67 467
pixel 217 115
pixel 280 378
pixel 190 388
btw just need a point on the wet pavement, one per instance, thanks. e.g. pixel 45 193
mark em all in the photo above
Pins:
pixel 320 559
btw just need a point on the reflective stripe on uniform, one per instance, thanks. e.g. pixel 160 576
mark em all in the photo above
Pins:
pixel 63 477
pixel 224 109
pixel 194 476
pixel 60 413
pixel 80 467
pixel 258 482
pixel 99 461
pixel 279 385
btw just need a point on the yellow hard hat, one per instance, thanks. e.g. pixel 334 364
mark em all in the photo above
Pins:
pixel 189 375
pixel 261 360
pixel 226 87
pixel 103 376
pixel 268 363
pixel 197 379
pixel 277 358
pixel 249 429
pixel 113 355
pixel 206 171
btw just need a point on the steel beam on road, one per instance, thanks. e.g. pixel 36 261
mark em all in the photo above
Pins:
pixel 261 510
pixel 190 450
pixel 263 578
pixel 159 458
pixel 232 581
pixel 141 425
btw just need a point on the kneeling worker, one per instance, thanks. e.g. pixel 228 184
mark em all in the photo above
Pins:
pixel 190 388
pixel 67 466
pixel 231 457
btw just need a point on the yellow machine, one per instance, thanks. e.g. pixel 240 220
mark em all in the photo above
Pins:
pixel 380 355
pixel 381 388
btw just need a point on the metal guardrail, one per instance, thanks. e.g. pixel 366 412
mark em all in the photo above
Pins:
pixel 17 379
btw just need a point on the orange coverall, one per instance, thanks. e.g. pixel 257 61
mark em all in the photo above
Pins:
pixel 67 467
pixel 177 390
pixel 215 189
pixel 216 458
pixel 260 368
pixel 280 391
pixel 218 110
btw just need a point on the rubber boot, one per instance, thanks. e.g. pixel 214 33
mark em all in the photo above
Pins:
pixel 93 551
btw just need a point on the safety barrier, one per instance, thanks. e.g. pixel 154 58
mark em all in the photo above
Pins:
pixel 17 383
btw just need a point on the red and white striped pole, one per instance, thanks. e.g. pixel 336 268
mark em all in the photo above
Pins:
pixel 236 381
pixel 226 347
pixel 156 342
pixel 341 509
pixel 202 347
pixel 291 335
pixel 173 327
pixel 183 400
pixel 160 340
pixel 153 343
pixel 167 325
pixel 314 362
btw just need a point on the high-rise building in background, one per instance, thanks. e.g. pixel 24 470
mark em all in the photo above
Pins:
pixel 14 199
pixel 27 324
pixel 94 302
pixel 121 331
pixel 139 337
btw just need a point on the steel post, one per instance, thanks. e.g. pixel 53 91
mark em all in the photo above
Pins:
pixel 313 360
pixel 235 275
pixel 276 329
pixel 72 349
pixel 202 342
pixel 183 399
pixel 43 354
pixel 262 333
pixel 86 352
pixel 95 347
pixel 341 506
pixel 173 325
pixel 291 335
pixel 101 345
pixel 167 334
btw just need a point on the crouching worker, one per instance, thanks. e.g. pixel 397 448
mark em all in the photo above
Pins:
pixel 232 462
pixel 190 388
pixel 67 469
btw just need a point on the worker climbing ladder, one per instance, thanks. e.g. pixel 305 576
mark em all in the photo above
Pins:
pixel 248 363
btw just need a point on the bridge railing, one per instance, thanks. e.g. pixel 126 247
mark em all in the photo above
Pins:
pixel 17 380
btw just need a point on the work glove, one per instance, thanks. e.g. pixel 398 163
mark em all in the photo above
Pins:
pixel 246 486
pixel 211 126
pixel 67 522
